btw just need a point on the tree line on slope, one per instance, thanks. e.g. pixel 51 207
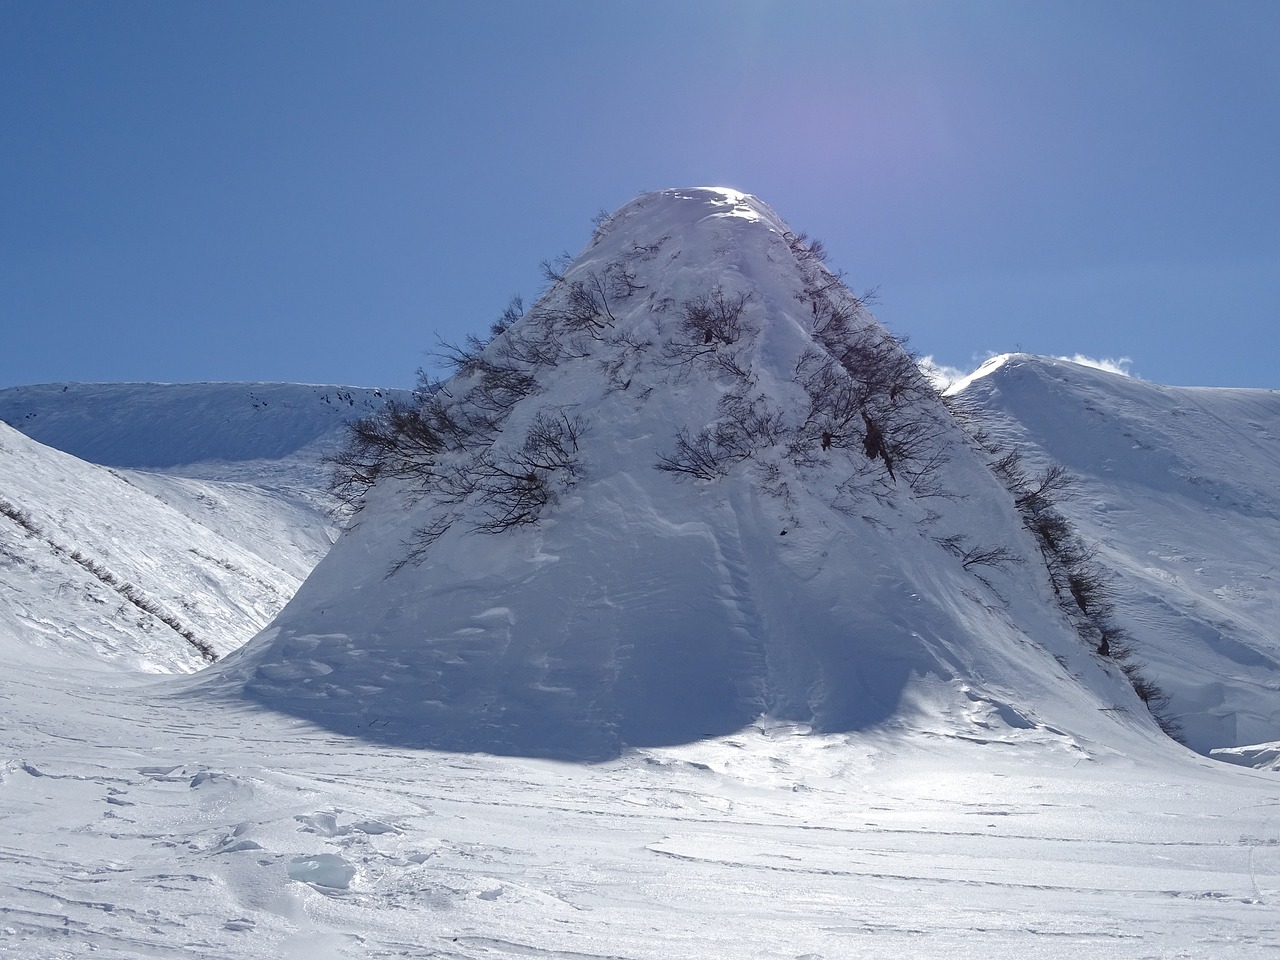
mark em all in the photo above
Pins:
pixel 1083 587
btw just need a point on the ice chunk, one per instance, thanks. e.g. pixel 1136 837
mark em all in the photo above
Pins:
pixel 322 870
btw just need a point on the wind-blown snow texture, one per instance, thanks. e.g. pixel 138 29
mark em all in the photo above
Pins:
pixel 142 825
pixel 805 585
pixel 1177 486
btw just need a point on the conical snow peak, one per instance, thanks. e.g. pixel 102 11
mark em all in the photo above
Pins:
pixel 696 483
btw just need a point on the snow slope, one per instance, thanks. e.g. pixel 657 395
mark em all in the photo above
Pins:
pixel 269 436
pixel 803 582
pixel 1178 488
pixel 224 519
pixel 94 564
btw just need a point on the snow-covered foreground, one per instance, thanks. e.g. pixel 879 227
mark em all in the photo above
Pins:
pixel 143 822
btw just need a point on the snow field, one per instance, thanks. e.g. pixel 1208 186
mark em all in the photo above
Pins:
pixel 209 829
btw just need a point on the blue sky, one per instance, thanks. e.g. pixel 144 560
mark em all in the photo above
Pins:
pixel 315 191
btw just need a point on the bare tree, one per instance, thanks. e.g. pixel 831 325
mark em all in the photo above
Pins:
pixel 397 440
pixel 586 303
pixel 745 426
pixel 710 326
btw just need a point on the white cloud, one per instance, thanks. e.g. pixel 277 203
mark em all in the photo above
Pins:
pixel 940 375
pixel 1120 365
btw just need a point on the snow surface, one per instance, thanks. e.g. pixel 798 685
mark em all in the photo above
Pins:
pixel 834 742
pixel 140 823
pixel 1178 488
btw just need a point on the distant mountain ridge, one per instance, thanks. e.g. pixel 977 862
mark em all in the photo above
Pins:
pixel 164 425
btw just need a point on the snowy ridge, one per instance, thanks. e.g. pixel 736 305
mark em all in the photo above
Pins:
pixel 721 527
pixel 166 425
pixel 160 568
pixel 1177 486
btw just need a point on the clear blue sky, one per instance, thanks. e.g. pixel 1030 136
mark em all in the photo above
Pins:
pixel 314 191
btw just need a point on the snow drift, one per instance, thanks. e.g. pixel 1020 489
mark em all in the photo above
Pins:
pixel 696 485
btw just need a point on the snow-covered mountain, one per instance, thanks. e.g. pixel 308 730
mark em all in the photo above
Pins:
pixel 694 518
pixel 1177 487
pixel 96 565
pixel 696 485
pixel 163 567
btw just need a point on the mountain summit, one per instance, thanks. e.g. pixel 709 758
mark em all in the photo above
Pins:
pixel 695 486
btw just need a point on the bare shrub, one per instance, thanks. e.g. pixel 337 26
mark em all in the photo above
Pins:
pixel 21 518
pixel 397 440
pixel 708 326
pixel 705 455
pixel 987 555
pixel 126 590
pixel 869 395
pixel 745 425
pixel 1082 585
pixel 505 489
pixel 714 319
pixel 585 305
